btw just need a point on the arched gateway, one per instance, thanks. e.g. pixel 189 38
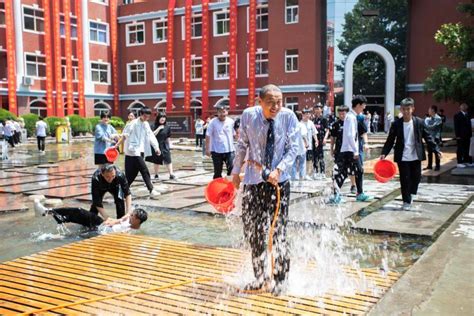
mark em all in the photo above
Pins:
pixel 389 74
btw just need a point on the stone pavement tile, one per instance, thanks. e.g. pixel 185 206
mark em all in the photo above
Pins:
pixel 64 192
pixel 310 186
pixel 374 188
pixel 202 179
pixel 175 200
pixel 55 183
pixel 443 193
pixel 424 218
pixel 28 179
pixel 12 174
pixel 67 170
pixel 316 211
pixel 12 202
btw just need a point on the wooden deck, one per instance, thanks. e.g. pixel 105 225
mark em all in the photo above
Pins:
pixel 111 264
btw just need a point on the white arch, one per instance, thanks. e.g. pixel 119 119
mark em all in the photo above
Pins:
pixel 196 101
pixel 160 105
pixel 38 100
pixel 102 103
pixel 221 100
pixel 134 103
pixel 389 74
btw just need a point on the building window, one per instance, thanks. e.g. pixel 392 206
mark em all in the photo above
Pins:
pixel 291 103
pixel 291 11
pixel 136 73
pixel 127 1
pixel 160 31
pixel 35 66
pixel 135 34
pixel 99 32
pixel 221 23
pixel 62 26
pixel 196 68
pixel 221 67
pixel 101 1
pixel 261 64
pixel 38 107
pixel 33 19
pixel 101 107
pixel 2 14
pixel 75 69
pixel 196 27
pixel 100 72
pixel 160 71
pixel 291 60
pixel 262 18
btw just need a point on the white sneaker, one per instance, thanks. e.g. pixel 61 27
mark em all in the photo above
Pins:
pixel 40 209
pixel 461 165
pixel 316 176
pixel 323 176
pixel 154 194
pixel 406 206
pixel 308 178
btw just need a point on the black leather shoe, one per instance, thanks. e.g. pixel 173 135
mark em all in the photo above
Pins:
pixel 437 168
pixel 428 168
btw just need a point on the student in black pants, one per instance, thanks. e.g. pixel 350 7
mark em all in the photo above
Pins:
pixel 463 131
pixel 406 135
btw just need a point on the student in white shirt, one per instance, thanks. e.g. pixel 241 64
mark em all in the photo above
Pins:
pixel 406 136
pixel 348 162
pixel 312 138
pixel 299 166
pixel 41 128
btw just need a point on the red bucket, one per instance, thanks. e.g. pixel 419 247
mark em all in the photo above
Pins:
pixel 384 170
pixel 221 193
pixel 111 154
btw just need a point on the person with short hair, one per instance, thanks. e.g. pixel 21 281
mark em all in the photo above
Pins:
pixel 162 132
pixel 375 122
pixel 139 141
pixel 349 162
pixel 463 131
pixel 406 136
pixel 105 136
pixel 312 140
pixel 130 222
pixel 40 129
pixel 433 125
pixel 322 126
pixel 336 132
pixel 199 131
pixel 220 141
pixel 299 166
pixel 269 136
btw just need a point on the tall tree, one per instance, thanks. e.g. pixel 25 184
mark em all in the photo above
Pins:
pixel 389 29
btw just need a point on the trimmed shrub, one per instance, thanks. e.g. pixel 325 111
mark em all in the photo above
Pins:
pixel 53 122
pixel 30 123
pixel 117 122
pixel 93 121
pixel 6 115
pixel 79 124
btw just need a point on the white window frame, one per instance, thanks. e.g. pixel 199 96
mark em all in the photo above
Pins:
pixel 225 54
pixel 36 8
pixel 292 56
pixel 128 32
pixel 38 110
pixel 106 31
pixel 155 22
pixel 193 58
pixel 37 71
pixel 291 8
pixel 215 21
pixel 259 51
pixel 291 105
pixel 106 2
pixel 107 107
pixel 129 73
pixel 108 72
pixel 162 60
pixel 63 24
pixel 75 70
pixel 2 10
pixel 260 6
pixel 183 26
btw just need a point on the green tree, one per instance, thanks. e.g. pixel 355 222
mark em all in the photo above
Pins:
pixel 451 82
pixel 388 29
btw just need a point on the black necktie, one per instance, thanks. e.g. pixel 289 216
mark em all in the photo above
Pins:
pixel 269 146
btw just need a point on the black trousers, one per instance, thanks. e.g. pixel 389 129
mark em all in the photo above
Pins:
pixel 318 159
pixel 346 165
pixel 258 209
pixel 199 139
pixel 431 153
pixel 10 140
pixel 76 215
pixel 41 140
pixel 119 203
pixel 135 164
pixel 462 152
pixel 218 160
pixel 410 177
pixel 17 137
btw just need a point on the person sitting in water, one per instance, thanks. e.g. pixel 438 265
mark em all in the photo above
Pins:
pixel 131 221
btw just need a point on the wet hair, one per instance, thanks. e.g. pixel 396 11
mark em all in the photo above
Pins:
pixel 105 114
pixel 266 89
pixel 141 214
pixel 107 167
pixel 343 108
pixel 434 108
pixel 358 99
pixel 144 110
pixel 158 117
pixel 299 115
pixel 407 102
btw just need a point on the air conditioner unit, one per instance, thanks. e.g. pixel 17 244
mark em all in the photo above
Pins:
pixel 28 81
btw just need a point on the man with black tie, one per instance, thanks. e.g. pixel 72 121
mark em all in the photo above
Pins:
pixel 463 131
pixel 407 134
pixel 269 135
